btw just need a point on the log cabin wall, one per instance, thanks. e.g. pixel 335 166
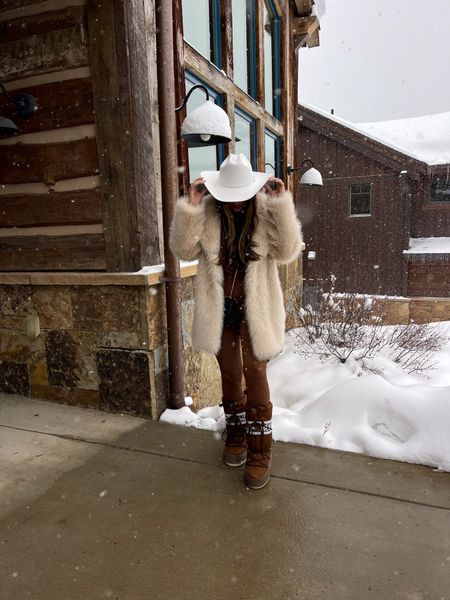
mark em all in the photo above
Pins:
pixel 79 188
pixel 51 217
pixel 363 252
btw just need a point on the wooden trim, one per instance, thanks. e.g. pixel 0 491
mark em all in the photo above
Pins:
pixel 260 145
pixel 156 276
pixel 204 69
pixel 123 113
pixel 43 22
pixel 180 94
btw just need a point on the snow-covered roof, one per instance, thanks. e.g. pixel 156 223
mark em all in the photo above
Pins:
pixel 424 138
pixel 430 245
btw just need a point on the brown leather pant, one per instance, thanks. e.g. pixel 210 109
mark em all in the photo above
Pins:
pixel 236 359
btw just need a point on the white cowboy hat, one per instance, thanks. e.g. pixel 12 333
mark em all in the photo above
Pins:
pixel 235 181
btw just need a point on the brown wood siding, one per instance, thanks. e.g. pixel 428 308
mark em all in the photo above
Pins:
pixel 364 253
pixel 429 278
pixel 428 219
pixel 48 42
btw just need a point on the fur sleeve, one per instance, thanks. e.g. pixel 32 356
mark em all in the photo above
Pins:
pixel 187 228
pixel 284 228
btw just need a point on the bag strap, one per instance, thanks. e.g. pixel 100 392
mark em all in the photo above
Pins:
pixel 234 279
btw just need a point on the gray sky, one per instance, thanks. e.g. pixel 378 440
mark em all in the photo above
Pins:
pixel 379 60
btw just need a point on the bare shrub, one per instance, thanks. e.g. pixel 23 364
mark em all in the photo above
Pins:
pixel 344 325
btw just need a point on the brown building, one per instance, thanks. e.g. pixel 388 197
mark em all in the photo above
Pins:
pixel 381 222
pixel 88 289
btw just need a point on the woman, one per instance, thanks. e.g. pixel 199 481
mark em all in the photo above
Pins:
pixel 239 231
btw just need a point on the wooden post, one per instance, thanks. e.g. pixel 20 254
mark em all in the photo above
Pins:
pixel 123 117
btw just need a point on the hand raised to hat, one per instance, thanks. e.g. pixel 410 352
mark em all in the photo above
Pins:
pixel 195 197
pixel 280 189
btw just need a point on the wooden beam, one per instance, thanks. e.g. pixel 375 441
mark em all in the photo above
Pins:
pixel 260 88
pixel 304 26
pixel 304 7
pixel 123 112
pixel 26 26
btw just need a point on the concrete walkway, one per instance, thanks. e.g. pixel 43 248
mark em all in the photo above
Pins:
pixel 97 506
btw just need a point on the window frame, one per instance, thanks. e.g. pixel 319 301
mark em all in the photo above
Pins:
pixel 276 58
pixel 360 215
pixel 215 34
pixel 278 143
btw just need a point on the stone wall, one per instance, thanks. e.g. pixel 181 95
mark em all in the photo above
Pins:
pixel 104 345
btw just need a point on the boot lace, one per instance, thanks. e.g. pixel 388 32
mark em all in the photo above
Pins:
pixel 234 433
pixel 257 457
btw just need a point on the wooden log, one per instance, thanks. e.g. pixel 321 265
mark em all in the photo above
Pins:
pixel 52 51
pixel 60 104
pixel 34 210
pixel 121 69
pixel 68 252
pixel 31 25
pixel 26 163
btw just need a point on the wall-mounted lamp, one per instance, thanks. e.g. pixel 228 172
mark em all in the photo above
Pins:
pixel 25 106
pixel 310 177
pixel 207 125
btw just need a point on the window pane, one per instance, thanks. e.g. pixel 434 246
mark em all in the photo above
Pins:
pixel 200 159
pixel 196 25
pixel 360 199
pixel 240 43
pixel 244 130
pixel 268 66
pixel 270 154
pixel 440 190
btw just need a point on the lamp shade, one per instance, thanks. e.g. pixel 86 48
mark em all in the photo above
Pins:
pixel 7 127
pixel 311 177
pixel 207 125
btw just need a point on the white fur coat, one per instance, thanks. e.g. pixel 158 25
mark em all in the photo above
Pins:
pixel 195 233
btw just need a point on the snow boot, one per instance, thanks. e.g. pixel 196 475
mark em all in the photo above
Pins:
pixel 259 446
pixel 235 450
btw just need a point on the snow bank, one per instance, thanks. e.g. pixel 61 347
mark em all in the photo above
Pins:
pixel 389 415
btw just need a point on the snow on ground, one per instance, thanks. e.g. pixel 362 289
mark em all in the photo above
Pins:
pixel 390 415
pixel 430 245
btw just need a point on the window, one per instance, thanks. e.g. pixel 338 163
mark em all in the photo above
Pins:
pixel 245 131
pixel 272 60
pixel 244 45
pixel 273 153
pixel 440 189
pixel 201 25
pixel 360 200
pixel 206 158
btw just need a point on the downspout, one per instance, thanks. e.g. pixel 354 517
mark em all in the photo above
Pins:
pixel 169 186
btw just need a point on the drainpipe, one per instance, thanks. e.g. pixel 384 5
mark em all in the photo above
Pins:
pixel 169 185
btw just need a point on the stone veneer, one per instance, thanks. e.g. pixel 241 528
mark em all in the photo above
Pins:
pixel 104 345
